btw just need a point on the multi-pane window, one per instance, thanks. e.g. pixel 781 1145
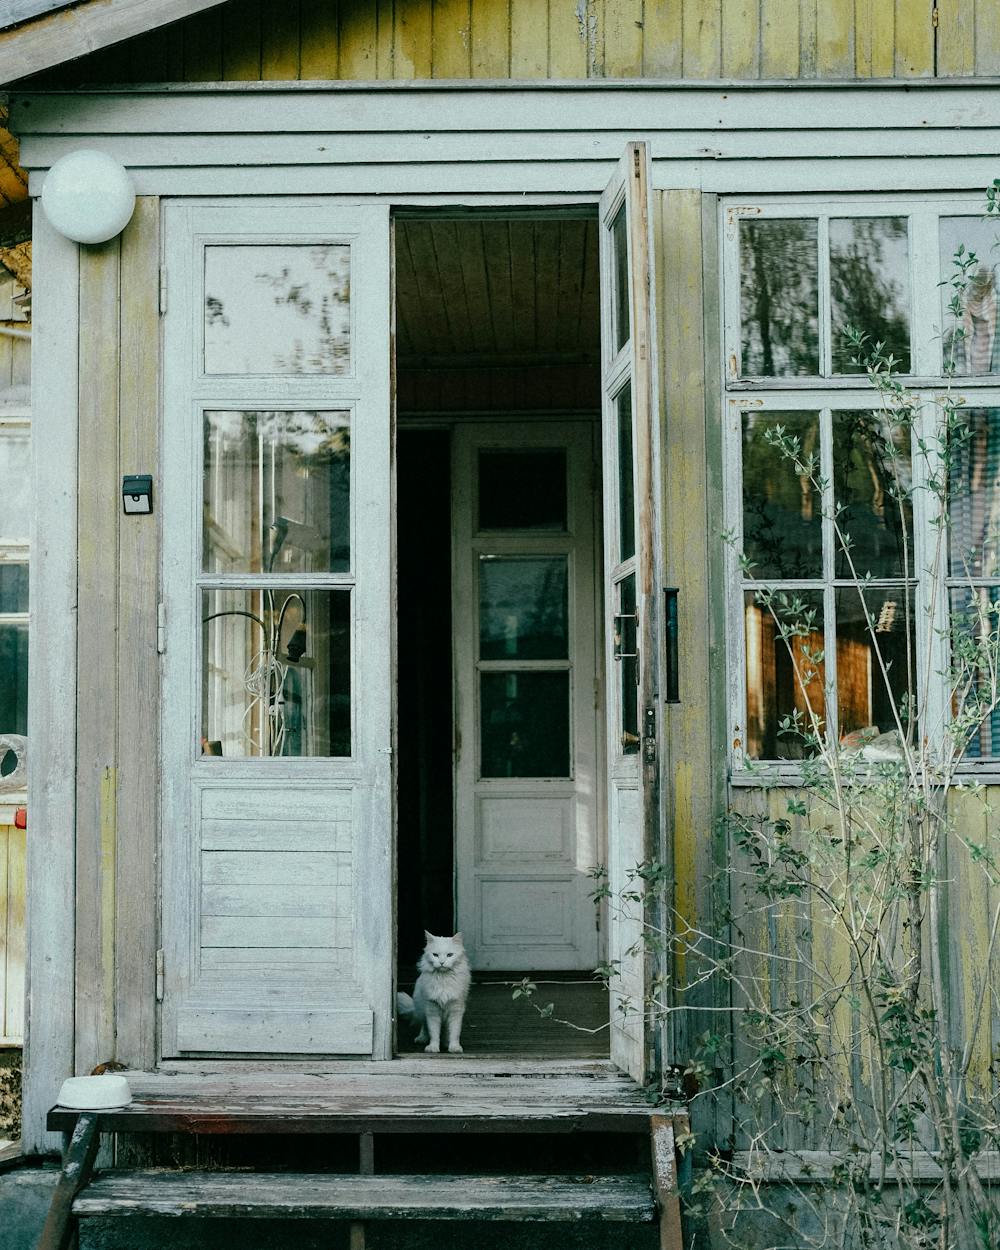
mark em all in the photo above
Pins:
pixel 830 532
pixel 15 473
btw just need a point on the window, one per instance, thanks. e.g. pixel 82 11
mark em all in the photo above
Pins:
pixel 811 460
pixel 15 473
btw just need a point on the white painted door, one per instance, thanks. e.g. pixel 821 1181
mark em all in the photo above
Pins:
pixel 526 694
pixel 630 436
pixel 277 544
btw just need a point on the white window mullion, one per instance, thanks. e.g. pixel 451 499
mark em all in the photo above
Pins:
pixel 925 295
pixel 829 569
pixel 825 339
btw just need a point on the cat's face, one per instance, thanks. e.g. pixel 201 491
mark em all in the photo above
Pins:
pixel 443 952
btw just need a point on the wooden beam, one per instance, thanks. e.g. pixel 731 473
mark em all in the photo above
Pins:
pixel 78 1164
pixel 69 33
pixel 665 1188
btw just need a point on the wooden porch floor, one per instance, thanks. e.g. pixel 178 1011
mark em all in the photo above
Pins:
pixel 497 1024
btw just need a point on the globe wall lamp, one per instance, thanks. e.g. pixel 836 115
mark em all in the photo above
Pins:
pixel 88 196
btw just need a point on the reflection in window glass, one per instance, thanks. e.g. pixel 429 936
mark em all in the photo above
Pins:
pixel 779 297
pixel 277 492
pixel 13 588
pixel 872 483
pixel 15 474
pixel 975 625
pixel 276 673
pixel 522 490
pixel 782 510
pixel 523 608
pixel 869 287
pixel 524 724
pixel 784 678
pixel 626 486
pixel 969 295
pixel 866 695
pixel 974 497
pixel 13 678
pixel 619 244
pixel 626 649
pixel 278 309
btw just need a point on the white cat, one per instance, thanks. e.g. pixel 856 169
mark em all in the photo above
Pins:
pixel 440 995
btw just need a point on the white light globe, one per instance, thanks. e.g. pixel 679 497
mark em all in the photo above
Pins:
pixel 88 196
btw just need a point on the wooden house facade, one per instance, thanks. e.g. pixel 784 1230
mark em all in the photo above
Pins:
pixel 438 327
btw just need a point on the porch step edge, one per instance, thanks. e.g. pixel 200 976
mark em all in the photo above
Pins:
pixel 262 1195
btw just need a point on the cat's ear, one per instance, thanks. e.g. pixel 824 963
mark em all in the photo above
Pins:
pixel 429 936
pixel 458 938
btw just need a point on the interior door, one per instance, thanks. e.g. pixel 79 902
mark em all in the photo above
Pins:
pixel 277 542
pixel 630 433
pixel 524 651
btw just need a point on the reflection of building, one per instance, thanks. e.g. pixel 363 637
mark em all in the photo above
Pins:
pixel 978 350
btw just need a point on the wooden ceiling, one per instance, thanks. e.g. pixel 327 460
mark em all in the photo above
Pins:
pixel 496 293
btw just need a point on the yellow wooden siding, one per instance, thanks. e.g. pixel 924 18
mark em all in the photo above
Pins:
pixel 366 40
pixel 12 948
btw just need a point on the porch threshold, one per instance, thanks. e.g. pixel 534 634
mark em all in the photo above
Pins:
pixel 414 1094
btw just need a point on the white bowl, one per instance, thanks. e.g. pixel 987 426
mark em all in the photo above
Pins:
pixel 95 1093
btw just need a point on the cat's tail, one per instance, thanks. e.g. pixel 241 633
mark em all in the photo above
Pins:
pixel 405 1009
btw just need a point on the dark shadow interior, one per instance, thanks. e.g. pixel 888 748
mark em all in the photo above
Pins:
pixel 494 317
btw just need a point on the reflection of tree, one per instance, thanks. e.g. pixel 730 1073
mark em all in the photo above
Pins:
pixel 864 290
pixel 781 509
pixel 779 297
pixel 871 478
pixel 316 288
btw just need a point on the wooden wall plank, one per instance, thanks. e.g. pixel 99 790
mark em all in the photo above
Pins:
pixel 385 37
pixel 138 663
pixel 987 60
pixel 808 25
pixel 52 681
pixel 835 39
pixel 320 50
pixel 914 40
pixel 490 38
pixel 529 39
pixel 874 33
pixel 740 39
pixel 623 38
pixel 358 39
pixel 97 653
pixel 280 41
pixel 203 47
pixel 968 919
pixel 702 39
pixel 414 39
pixel 956 38
pixel 451 39
pixel 568 39
pixel 241 47
pixel 662 45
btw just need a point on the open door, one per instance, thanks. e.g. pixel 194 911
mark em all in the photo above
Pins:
pixel 630 434
pixel 277 546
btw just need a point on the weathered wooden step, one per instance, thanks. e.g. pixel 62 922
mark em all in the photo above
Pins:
pixel 155 1191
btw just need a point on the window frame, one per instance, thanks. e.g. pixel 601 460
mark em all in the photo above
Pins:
pixel 824 394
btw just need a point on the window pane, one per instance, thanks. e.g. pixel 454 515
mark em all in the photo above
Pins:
pixel 782 510
pixel 626 648
pixel 975 497
pixel 619 246
pixel 872 484
pixel 276 673
pixel 866 695
pixel 870 287
pixel 13 588
pixel 522 490
pixel 975 625
pixel 779 297
pixel 524 720
pixel 13 679
pixel 523 608
pixel 969 295
pixel 626 486
pixel 785 673
pixel 278 309
pixel 15 474
pixel 277 492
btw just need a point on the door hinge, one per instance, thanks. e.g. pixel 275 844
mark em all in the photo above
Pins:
pixel 163 289
pixel 649 736
pixel 935 17
pixel 159 976
pixel 161 628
